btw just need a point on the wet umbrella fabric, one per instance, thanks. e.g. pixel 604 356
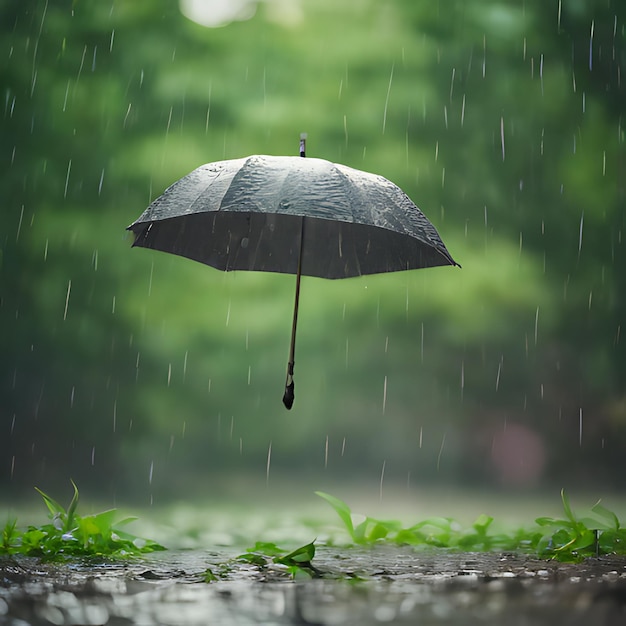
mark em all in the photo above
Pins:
pixel 293 215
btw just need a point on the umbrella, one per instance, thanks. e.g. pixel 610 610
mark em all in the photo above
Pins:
pixel 294 215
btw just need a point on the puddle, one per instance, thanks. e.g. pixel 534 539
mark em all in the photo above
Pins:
pixel 380 585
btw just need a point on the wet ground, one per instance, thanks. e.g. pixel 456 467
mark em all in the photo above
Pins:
pixel 379 585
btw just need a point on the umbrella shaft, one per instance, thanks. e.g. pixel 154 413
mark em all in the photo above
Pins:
pixel 292 347
pixel 288 398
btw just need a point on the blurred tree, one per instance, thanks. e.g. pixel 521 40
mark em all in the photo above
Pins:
pixel 503 119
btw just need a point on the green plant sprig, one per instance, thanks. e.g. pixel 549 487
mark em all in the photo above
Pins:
pixel 567 539
pixel 264 556
pixel 72 535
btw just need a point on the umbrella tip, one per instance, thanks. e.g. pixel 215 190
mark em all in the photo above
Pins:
pixel 303 137
pixel 289 396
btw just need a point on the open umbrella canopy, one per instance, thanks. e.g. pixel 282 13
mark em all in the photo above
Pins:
pixel 294 215
pixel 247 214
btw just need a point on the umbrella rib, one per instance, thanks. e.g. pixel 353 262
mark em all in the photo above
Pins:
pixel 289 395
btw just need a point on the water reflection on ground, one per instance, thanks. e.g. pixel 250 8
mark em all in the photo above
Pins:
pixel 383 584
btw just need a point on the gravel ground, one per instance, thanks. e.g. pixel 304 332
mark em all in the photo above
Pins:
pixel 378 585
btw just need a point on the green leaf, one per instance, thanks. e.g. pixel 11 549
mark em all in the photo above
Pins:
pixel 71 510
pixel 208 576
pixel 342 510
pixel 609 516
pixel 266 548
pixel 53 506
pixel 303 554
pixel 566 507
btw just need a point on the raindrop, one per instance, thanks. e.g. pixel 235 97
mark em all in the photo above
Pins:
pixel 387 98
pixel 463 111
pixel 112 38
pixel 185 365
pixel 502 135
pixel 93 456
pixel 484 54
pixel 326 453
pixel 113 307
pixel 443 443
pixel 536 323
pixel 452 83
pixel 384 394
pixel 82 62
pixel 580 233
pixel 591 46
pixel 249 373
pixel 382 478
pixel 19 225
pixel 580 427
pixel 130 106
pixel 151 472
pixel 269 461
pixel 462 378
pixel 72 397
pixel 499 372
pixel 67 91
pixel 169 374
pixel 67 298
pixel 343 446
pixel 421 436
pixel 67 178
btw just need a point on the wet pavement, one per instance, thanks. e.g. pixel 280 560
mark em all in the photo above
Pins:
pixel 360 586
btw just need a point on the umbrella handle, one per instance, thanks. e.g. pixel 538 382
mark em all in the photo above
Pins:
pixel 289 395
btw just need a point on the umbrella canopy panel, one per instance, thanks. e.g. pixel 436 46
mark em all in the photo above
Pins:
pixel 253 213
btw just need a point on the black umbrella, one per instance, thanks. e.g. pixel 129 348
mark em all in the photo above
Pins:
pixel 292 215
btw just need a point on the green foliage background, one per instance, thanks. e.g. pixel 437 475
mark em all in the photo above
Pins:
pixel 133 370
